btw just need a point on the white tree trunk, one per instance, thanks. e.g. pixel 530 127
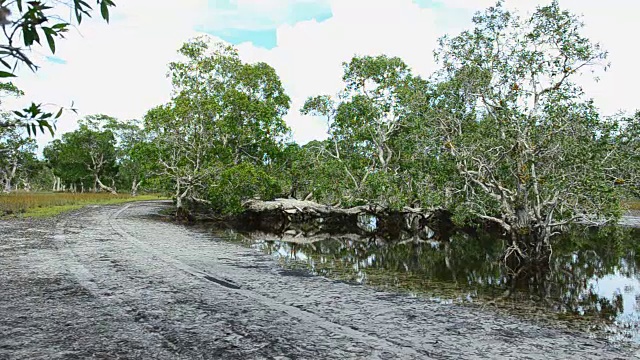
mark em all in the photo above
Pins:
pixel 104 187
pixel 134 186
pixel 7 184
pixel 8 177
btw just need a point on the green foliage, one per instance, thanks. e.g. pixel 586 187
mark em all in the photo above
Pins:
pixel 8 88
pixel 530 149
pixel 224 113
pixel 103 154
pixel 624 141
pixel 316 175
pixel 366 132
pixel 239 183
pixel 133 151
pixel 17 159
pixel 86 156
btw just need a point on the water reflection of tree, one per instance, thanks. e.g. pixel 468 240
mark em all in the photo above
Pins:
pixel 580 257
pixel 472 261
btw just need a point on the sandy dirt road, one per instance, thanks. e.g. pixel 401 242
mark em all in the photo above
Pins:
pixel 111 282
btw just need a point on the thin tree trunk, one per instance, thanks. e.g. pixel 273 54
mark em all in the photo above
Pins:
pixel 26 185
pixel 178 197
pixel 7 184
pixel 57 184
pixel 134 186
pixel 8 177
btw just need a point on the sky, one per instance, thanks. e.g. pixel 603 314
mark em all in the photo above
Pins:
pixel 119 69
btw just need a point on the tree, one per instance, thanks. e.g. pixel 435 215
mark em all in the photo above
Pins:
pixel 238 183
pixel 223 113
pixel 312 174
pixel 371 111
pixel 364 127
pixel 85 156
pixel 624 162
pixel 531 150
pixel 16 154
pixel 33 174
pixel 180 149
pixel 26 23
pixel 428 175
pixel 323 169
pixel 132 152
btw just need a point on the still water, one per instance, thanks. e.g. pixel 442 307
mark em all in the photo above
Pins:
pixel 591 281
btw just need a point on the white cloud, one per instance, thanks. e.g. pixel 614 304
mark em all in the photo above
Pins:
pixel 309 55
pixel 119 69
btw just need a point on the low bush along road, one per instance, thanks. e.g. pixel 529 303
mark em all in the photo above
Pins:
pixel 113 282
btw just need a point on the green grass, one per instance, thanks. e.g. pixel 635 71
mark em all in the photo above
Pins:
pixel 38 205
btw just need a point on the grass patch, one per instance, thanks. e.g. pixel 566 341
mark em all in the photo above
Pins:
pixel 632 204
pixel 34 205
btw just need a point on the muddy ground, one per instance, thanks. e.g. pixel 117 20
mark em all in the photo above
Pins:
pixel 111 282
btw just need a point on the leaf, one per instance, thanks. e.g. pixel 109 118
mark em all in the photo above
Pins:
pixel 5 74
pixel 59 113
pixel 6 64
pixel 27 34
pixel 104 9
pixel 36 36
pixel 78 10
pixel 81 8
pixel 49 34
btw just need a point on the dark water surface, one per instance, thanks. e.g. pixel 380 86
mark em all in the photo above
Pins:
pixel 591 281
